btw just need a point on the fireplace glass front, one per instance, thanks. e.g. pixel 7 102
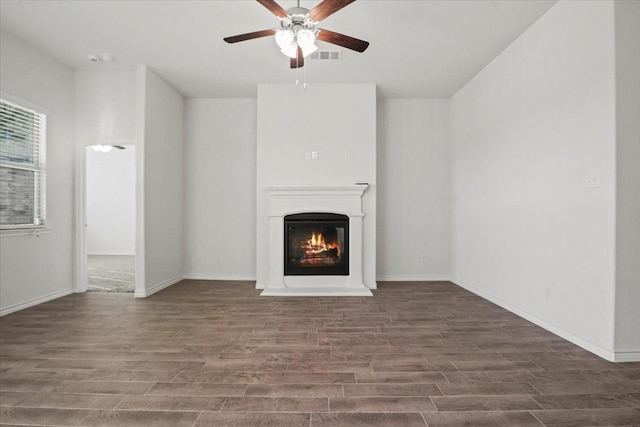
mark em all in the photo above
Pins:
pixel 316 244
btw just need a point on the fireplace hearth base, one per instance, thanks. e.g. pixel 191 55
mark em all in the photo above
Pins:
pixel 316 292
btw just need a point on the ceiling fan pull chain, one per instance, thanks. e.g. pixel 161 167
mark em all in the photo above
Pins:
pixel 304 73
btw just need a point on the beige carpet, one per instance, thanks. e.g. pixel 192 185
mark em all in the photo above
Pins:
pixel 111 273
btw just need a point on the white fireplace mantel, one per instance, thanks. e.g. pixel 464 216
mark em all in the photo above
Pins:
pixel 287 200
pixel 313 191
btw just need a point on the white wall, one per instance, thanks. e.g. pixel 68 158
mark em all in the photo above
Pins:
pixel 627 327
pixel 160 184
pixel 413 190
pixel 105 105
pixel 111 201
pixel 333 120
pixel 528 132
pixel 220 189
pixel 35 269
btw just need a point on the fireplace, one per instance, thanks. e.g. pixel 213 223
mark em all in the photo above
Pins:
pixel 316 244
pixel 298 221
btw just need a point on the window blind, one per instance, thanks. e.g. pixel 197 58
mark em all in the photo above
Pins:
pixel 22 167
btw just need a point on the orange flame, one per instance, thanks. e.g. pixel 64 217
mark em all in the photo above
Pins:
pixel 317 245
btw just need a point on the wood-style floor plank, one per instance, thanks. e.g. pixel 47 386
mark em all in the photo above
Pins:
pixel 217 353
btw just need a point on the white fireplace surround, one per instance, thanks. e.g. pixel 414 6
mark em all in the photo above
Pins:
pixel 287 200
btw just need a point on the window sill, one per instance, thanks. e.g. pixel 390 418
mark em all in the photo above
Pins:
pixel 37 232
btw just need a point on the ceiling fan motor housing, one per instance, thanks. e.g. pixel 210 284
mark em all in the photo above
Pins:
pixel 298 18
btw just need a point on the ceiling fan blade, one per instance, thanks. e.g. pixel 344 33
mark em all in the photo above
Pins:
pixel 250 36
pixel 274 7
pixel 119 147
pixel 327 8
pixel 299 61
pixel 342 40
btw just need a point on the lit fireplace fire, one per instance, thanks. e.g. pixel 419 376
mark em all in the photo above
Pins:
pixel 318 252
pixel 316 244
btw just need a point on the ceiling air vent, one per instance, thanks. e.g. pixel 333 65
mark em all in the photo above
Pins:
pixel 327 55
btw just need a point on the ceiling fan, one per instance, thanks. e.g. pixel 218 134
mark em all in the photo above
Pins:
pixel 298 33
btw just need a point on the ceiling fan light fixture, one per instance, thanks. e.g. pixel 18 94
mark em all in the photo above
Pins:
pixel 306 41
pixel 291 51
pixel 284 38
pixel 286 41
pixel 308 50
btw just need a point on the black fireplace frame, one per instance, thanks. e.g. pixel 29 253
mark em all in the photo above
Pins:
pixel 318 219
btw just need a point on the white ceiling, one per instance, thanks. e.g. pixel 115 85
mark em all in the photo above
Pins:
pixel 419 48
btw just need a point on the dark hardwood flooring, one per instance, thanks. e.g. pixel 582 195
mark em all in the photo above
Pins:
pixel 217 354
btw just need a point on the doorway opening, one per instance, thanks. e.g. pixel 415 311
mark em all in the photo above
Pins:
pixel 110 218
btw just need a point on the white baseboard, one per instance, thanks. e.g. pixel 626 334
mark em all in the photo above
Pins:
pixel 157 288
pixel 626 356
pixel 417 278
pixel 595 349
pixel 231 277
pixel 21 306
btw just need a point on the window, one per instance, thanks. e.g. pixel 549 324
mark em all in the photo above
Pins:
pixel 22 166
